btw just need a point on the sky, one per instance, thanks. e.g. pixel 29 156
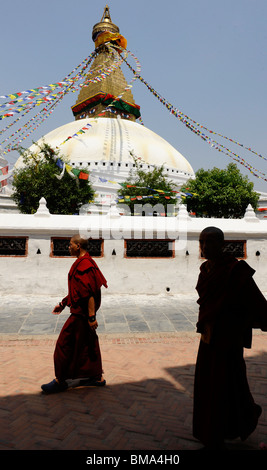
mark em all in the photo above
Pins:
pixel 207 58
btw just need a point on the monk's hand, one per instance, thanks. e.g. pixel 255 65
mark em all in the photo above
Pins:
pixel 92 322
pixel 58 308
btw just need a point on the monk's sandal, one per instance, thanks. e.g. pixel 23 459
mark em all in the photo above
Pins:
pixel 54 387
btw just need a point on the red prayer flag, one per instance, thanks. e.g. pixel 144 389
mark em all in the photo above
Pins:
pixel 83 176
pixel 4 170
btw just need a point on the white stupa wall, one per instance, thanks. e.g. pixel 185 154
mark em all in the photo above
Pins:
pixel 39 273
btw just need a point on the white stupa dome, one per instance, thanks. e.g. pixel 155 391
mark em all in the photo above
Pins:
pixel 111 140
pixel 105 148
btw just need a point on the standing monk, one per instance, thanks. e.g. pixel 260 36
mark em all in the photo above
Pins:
pixel 230 305
pixel 77 353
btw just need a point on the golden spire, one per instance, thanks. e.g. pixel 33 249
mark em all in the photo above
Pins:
pixel 94 98
pixel 106 14
pixel 105 24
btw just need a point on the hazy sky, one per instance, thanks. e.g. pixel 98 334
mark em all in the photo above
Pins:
pixel 207 58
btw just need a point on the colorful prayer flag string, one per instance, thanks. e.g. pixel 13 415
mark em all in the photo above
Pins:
pixel 79 132
pixel 67 85
pixel 46 111
pixel 188 122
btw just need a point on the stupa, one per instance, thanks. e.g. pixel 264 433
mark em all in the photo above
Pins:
pixel 108 108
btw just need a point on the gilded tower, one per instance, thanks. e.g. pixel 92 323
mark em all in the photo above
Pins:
pixel 109 97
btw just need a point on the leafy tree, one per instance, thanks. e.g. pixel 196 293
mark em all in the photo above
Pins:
pixel 159 190
pixel 37 178
pixel 220 193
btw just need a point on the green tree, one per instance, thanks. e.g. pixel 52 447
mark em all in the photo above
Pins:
pixel 37 178
pixel 219 193
pixel 143 188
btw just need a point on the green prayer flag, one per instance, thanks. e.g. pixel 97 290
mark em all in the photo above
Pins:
pixel 75 171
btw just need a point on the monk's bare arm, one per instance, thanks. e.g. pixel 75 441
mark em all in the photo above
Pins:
pixel 91 313
pixel 58 309
pixel 61 305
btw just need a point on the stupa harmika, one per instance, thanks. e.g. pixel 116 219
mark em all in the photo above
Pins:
pixel 105 150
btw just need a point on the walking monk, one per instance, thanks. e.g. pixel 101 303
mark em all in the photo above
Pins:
pixel 230 305
pixel 77 353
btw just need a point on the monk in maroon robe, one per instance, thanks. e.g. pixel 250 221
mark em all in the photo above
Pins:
pixel 230 305
pixel 77 353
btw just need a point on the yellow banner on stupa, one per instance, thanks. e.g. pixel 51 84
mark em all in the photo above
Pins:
pixel 104 37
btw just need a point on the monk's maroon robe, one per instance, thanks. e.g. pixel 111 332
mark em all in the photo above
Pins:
pixel 77 353
pixel 230 305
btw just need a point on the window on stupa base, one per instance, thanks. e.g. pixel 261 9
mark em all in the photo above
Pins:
pixel 237 248
pixel 149 248
pixel 14 246
pixel 60 247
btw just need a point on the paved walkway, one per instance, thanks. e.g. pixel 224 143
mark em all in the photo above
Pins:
pixel 31 315
pixel 149 348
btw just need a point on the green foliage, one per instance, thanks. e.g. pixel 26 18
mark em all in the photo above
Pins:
pixel 37 179
pixel 220 193
pixel 144 183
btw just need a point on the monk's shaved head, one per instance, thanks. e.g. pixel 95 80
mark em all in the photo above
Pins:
pixel 214 232
pixel 77 239
pixel 211 242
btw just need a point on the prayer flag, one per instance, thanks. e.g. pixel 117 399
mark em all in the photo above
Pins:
pixel 60 163
pixel 83 175
pixel 4 170
pixel 76 171
pixel 69 170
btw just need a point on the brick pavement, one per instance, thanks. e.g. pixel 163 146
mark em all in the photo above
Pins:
pixel 147 403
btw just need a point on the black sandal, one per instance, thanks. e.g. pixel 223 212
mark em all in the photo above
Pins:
pixel 54 387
